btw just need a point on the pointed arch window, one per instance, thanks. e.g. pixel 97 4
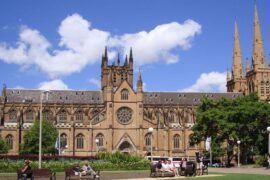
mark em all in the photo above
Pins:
pixel 171 117
pixel 47 115
pixel 176 141
pixel 62 116
pixel 124 94
pixel 262 88
pixel 63 140
pixel 267 88
pixel 13 115
pixel 80 141
pixel 147 139
pixel 9 141
pixel 79 115
pixel 100 139
pixel 29 115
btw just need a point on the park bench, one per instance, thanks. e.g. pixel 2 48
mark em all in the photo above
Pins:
pixel 20 175
pixel 70 174
pixel 157 173
pixel 38 173
pixel 43 173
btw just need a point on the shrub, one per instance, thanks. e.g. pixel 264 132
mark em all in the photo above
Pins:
pixel 261 161
pixel 105 161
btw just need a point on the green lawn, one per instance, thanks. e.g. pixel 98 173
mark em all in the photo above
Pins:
pixel 234 177
pixel 141 174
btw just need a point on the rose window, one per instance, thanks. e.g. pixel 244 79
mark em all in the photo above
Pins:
pixel 124 115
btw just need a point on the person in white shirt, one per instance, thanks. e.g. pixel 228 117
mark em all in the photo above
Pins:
pixel 172 168
pixel 165 166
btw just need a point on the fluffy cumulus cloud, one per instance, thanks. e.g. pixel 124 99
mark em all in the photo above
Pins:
pixel 158 43
pixel 56 84
pixel 209 82
pixel 81 44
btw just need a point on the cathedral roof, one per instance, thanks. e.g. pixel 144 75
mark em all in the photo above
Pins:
pixel 55 96
pixel 182 98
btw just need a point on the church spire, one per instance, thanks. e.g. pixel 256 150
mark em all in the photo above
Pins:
pixel 247 65
pixel 104 62
pixel 228 75
pixel 130 59
pixel 258 57
pixel 139 81
pixel 126 61
pixel 118 59
pixel 237 68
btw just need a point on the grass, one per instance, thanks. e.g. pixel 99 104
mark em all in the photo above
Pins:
pixel 220 176
pixel 233 177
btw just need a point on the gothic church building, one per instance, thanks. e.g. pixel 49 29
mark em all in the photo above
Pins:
pixel 117 117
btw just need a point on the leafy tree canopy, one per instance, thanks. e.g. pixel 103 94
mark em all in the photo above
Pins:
pixel 3 146
pixel 229 120
pixel 31 139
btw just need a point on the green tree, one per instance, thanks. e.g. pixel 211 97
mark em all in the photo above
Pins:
pixel 230 120
pixel 3 146
pixel 31 139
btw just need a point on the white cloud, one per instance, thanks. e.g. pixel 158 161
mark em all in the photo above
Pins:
pixel 144 86
pixel 95 82
pixel 56 84
pixel 209 82
pixel 80 45
pixel 157 44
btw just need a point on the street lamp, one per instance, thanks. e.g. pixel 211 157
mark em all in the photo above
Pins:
pixel 97 141
pixel 40 127
pixel 268 130
pixel 150 131
pixel 238 150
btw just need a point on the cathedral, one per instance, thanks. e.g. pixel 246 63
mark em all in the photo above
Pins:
pixel 257 76
pixel 118 116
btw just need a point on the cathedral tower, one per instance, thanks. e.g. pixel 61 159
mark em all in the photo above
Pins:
pixel 259 75
pixel 119 73
pixel 237 82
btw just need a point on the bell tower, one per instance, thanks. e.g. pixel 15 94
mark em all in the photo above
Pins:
pixel 118 72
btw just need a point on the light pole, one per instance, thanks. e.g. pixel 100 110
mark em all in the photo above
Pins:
pixel 268 130
pixel 150 131
pixel 208 147
pixel 238 150
pixel 97 141
pixel 40 127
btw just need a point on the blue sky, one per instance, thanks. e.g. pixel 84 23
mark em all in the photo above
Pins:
pixel 178 44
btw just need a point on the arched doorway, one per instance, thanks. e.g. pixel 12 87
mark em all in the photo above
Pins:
pixel 126 147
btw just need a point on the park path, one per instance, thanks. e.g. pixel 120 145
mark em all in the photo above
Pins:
pixel 240 170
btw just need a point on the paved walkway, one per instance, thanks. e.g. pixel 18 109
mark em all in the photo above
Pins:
pixel 262 171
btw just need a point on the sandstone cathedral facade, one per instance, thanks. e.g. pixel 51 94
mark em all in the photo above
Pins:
pixel 256 78
pixel 117 117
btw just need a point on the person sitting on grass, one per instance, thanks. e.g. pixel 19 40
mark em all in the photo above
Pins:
pixel 26 169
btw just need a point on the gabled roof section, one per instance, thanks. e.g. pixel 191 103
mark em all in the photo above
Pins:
pixel 182 98
pixel 55 96
pixel 124 85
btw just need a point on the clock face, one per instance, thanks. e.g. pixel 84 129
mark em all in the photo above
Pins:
pixel 124 115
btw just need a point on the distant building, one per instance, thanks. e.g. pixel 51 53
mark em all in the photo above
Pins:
pixel 256 78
